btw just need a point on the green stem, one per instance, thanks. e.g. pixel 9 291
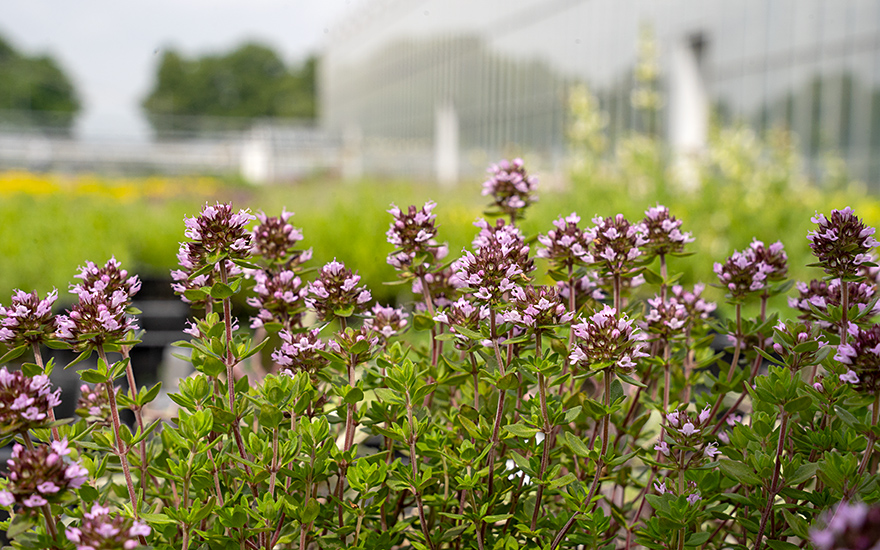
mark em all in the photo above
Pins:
pixel 51 526
pixel 547 430
pixel 414 461
pixel 120 449
pixel 774 482
pixel 600 465
pixel 38 359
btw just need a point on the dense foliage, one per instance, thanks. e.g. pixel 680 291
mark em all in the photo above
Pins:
pixel 35 90
pixel 491 412
pixel 249 82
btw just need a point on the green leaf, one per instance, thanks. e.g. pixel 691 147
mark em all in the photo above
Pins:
pixel 508 382
pixel 355 395
pixel 422 322
pixel 520 430
pixel 195 294
pixel 20 524
pixel 576 445
pixel 616 389
pixel 464 331
pixel 219 291
pixel 739 472
pixel 92 376
pixel 344 311
pixel 310 511
pixel 803 473
pixel 148 396
pixel 564 480
pixel 799 404
pixel 14 353
pixel 781 545
pixel 389 396
pixel 698 539
pixel 630 380
pixel 797 524
pixel 651 277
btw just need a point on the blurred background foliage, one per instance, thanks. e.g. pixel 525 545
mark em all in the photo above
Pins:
pixel 38 86
pixel 251 81
pixel 744 186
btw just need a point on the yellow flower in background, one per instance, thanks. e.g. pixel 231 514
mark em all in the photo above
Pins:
pixel 123 189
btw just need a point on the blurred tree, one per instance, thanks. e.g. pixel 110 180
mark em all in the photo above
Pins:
pixel 251 81
pixel 35 91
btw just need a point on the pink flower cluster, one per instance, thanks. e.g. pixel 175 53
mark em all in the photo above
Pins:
pixel 299 352
pixel 687 432
pixel 665 319
pixel 40 476
pixel 693 302
pixel 94 404
pixel 568 245
pixel 533 307
pixel 336 290
pixel 821 294
pixel 616 243
pixel 663 232
pixel 98 530
pixel 511 187
pixel 220 230
pixel 607 337
pixel 743 273
pixel 274 240
pixel 862 355
pixel 412 233
pixel 500 262
pixel 28 320
pixel 279 298
pixel 850 526
pixel 842 243
pixel 25 401
pixel 386 321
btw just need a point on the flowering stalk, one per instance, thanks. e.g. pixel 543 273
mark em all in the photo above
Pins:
pixel 414 461
pixel 51 526
pixel 120 450
pixel 546 429
pixel 496 430
pixel 774 488
pixel 600 464
pixel 38 359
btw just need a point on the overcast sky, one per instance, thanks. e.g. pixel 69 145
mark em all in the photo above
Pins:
pixel 111 48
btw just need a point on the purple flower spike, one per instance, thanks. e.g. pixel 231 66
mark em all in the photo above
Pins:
pixel 274 239
pixel 862 357
pixel 386 321
pixel 279 299
pixel 412 234
pixel 41 476
pixel 25 402
pixel 842 243
pixel 821 294
pixel 743 273
pixel 100 315
pixel 511 187
pixel 99 530
pixel 28 320
pixel 607 337
pixel 663 232
pixel 566 246
pixel 499 263
pixel 335 292
pixel 849 526
pixel 300 352
pixel 616 243
pixel 535 307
